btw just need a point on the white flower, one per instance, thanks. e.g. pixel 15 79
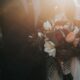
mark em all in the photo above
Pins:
pixel 49 47
pixel 76 30
pixel 51 52
pixel 40 34
pixel 47 25
pixel 30 36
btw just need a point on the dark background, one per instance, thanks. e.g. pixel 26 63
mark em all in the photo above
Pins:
pixel 20 56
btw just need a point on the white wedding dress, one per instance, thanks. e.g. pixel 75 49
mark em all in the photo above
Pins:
pixel 75 68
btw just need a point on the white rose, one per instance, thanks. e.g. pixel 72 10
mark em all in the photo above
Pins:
pixel 49 47
pixel 47 25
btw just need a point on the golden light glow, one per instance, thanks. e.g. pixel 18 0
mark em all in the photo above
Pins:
pixel 37 11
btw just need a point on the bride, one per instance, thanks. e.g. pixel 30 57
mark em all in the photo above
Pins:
pixel 63 62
